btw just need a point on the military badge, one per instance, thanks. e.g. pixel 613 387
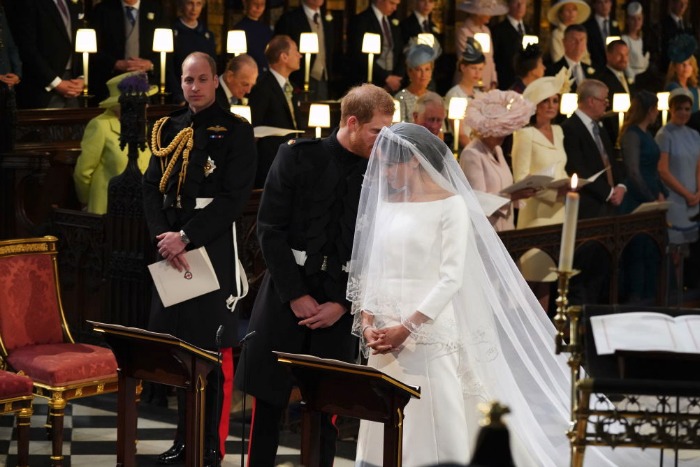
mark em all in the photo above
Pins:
pixel 209 167
pixel 216 131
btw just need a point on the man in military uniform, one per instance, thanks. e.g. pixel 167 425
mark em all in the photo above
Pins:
pixel 306 224
pixel 196 185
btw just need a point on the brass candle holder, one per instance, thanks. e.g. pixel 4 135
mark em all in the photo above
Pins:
pixel 568 319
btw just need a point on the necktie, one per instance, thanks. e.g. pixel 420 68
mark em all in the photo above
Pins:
pixel 316 18
pixel 65 15
pixel 603 152
pixel 606 31
pixel 680 25
pixel 233 100
pixel 288 92
pixel 387 33
pixel 623 81
pixel 521 31
pixel 130 15
pixel 426 26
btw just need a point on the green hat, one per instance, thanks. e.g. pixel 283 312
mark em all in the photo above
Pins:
pixel 115 92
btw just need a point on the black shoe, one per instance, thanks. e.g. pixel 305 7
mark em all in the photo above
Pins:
pixel 211 458
pixel 175 454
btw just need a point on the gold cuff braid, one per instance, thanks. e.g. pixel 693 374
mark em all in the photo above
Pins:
pixel 181 144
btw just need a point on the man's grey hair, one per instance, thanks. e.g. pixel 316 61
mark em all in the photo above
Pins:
pixel 590 88
pixel 429 97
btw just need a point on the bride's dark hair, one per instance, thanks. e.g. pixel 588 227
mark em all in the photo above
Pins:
pixel 432 148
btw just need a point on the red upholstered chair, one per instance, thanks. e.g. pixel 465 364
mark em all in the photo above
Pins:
pixel 16 398
pixel 35 339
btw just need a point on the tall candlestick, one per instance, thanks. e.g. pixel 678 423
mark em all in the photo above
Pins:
pixel 307 68
pixel 568 233
pixel 85 73
pixel 162 72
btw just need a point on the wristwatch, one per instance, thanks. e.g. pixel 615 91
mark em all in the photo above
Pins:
pixel 183 236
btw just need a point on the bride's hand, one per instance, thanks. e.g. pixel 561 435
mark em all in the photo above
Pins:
pixel 391 339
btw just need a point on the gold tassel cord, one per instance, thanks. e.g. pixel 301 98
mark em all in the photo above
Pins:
pixel 181 144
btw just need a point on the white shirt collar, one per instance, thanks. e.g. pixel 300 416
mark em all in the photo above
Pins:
pixel 227 91
pixel 309 12
pixel 420 18
pixel 674 17
pixel 377 13
pixel 514 22
pixel 136 5
pixel 599 20
pixel 281 80
pixel 588 121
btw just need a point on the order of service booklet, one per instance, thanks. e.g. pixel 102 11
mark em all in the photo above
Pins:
pixel 646 331
pixel 177 286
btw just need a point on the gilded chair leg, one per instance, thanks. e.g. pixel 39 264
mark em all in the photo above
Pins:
pixel 577 453
pixel 23 421
pixel 57 408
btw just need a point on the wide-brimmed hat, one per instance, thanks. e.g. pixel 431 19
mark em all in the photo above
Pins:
pixel 473 53
pixel 114 88
pixel 498 113
pixel 583 11
pixel 419 54
pixel 484 7
pixel 548 86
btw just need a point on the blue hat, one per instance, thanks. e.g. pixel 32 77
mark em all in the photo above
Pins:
pixel 681 47
pixel 419 54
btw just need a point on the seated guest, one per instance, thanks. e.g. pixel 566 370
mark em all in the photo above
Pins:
pixel 563 14
pixel 124 40
pixel 683 69
pixel 310 17
pixel 420 21
pixel 479 13
pixel 271 100
pixel 429 112
pixel 528 67
pixel 257 33
pixel 493 116
pixel 237 81
pixel 189 35
pixel 633 37
pixel 600 25
pixel 471 66
pixel 507 41
pixel 574 51
pixel 420 63
pixel 101 157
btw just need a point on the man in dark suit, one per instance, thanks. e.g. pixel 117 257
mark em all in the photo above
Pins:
pixel 588 151
pixel 45 33
pixel 671 25
pixel 237 81
pixel 310 17
pixel 574 49
pixel 389 66
pixel 600 25
pixel 507 39
pixel 420 21
pixel 124 40
pixel 195 206
pixel 271 100
pixel 613 75
pixel 306 225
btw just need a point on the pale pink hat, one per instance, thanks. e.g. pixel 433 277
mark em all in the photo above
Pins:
pixel 498 113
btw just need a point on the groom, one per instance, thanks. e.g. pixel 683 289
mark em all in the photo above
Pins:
pixel 306 225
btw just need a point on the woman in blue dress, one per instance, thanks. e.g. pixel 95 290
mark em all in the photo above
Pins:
pixel 640 154
pixel 680 171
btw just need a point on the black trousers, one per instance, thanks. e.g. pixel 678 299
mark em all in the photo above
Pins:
pixel 213 399
pixel 265 436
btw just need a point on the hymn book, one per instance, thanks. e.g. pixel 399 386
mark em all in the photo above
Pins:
pixel 542 180
pixel 175 286
pixel 646 331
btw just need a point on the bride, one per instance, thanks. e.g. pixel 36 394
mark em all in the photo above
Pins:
pixel 438 303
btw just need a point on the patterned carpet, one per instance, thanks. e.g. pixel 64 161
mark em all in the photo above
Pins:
pixel 91 432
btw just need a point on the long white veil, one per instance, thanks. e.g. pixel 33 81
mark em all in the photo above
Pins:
pixel 505 340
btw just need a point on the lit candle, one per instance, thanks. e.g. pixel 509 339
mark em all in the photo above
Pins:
pixel 568 233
